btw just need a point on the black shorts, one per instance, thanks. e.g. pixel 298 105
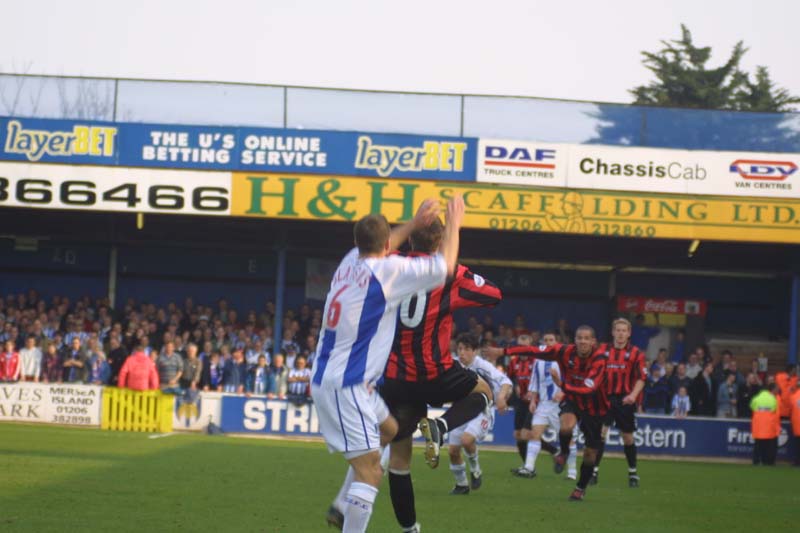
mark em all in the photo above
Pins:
pixel 591 425
pixel 624 416
pixel 522 414
pixel 408 401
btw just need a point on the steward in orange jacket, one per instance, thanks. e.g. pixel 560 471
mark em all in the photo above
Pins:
pixel 765 425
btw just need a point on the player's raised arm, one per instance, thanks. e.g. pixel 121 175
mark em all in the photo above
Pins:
pixel 428 210
pixel 546 353
pixel 450 241
pixel 473 290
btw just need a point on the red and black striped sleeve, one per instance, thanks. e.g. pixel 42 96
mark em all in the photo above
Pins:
pixel 472 290
pixel 594 378
pixel 639 368
pixel 547 353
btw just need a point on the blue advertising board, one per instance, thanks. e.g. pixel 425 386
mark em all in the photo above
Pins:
pixel 656 435
pixel 239 149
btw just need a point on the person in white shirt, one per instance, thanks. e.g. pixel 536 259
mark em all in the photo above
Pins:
pixel 359 321
pixel 299 378
pixel 30 359
pixel 681 404
pixel 474 431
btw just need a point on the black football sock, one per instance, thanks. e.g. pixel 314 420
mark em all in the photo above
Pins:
pixel 549 447
pixel 465 410
pixel 630 455
pixel 522 448
pixel 402 492
pixel 599 456
pixel 587 469
pixel 563 440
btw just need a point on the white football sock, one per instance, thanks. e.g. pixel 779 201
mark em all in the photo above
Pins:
pixel 572 461
pixel 460 473
pixel 534 447
pixel 359 502
pixel 474 464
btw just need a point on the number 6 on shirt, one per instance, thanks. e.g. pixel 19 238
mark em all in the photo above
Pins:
pixel 335 310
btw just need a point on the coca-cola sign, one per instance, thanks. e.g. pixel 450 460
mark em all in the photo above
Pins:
pixel 675 306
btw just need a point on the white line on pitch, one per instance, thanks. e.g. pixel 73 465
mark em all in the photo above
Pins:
pixel 160 435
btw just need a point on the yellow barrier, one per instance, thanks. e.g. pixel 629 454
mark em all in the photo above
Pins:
pixel 131 410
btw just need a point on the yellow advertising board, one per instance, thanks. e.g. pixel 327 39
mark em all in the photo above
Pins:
pixel 509 208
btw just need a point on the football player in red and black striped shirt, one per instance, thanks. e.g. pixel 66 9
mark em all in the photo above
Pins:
pixel 626 372
pixel 421 370
pixel 583 369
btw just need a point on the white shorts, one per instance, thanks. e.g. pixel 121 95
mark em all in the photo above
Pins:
pixel 547 414
pixel 478 427
pixel 349 418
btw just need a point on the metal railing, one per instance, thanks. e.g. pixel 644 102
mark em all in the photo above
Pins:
pixel 535 119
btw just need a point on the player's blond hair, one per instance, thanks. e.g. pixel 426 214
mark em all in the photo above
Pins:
pixel 622 321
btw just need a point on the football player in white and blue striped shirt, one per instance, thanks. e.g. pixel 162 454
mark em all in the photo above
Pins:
pixel 359 324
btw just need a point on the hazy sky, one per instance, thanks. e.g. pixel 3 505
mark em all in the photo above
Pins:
pixel 578 49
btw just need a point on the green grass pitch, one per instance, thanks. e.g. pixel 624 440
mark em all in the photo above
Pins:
pixel 59 479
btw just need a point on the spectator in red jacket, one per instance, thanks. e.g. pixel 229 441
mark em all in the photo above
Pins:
pixel 138 372
pixel 9 363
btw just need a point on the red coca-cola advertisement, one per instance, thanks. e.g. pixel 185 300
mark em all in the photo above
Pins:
pixel 673 306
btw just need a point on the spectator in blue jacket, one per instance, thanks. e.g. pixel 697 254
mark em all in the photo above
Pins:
pixel 726 397
pixel 234 374
pixel 99 369
pixel 656 393
pixel 260 379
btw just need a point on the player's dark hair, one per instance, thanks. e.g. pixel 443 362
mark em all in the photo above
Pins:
pixel 469 340
pixel 371 234
pixel 427 239
pixel 590 329
pixel 549 332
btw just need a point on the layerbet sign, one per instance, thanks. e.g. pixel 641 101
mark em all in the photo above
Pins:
pixel 675 306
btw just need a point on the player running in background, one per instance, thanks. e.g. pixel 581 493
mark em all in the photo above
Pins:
pixel 474 431
pixel 583 368
pixel 545 387
pixel 359 324
pixel 626 372
pixel 519 370
pixel 421 371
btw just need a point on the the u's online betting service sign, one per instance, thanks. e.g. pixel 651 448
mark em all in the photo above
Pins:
pixel 243 149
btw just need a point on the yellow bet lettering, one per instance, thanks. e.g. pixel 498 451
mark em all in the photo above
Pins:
pixel 95 141
pixel 431 159
pixel 81 144
pixel 445 161
pixel 108 140
pixel 458 155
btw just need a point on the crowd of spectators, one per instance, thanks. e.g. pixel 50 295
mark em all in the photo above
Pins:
pixel 176 348
pixel 193 347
